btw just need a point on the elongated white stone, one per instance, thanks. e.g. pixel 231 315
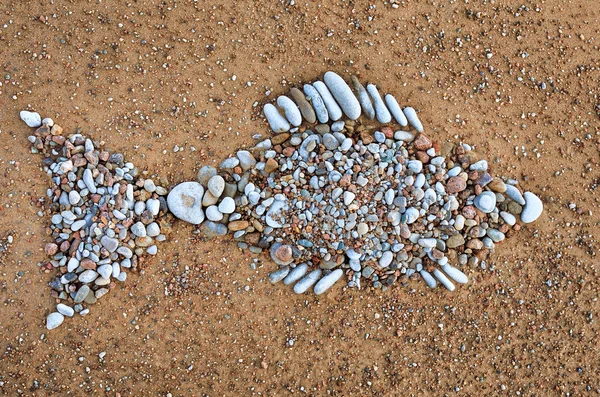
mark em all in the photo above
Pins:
pixel 277 122
pixel 413 119
pixel 343 95
pixel 54 320
pixel 455 274
pixel 326 282
pixel 334 110
pixel 514 194
pixel 363 98
pixel 292 113
pixel 296 274
pixel 279 275
pixel 381 111
pixel 395 110
pixel 443 279
pixel 308 281
pixel 317 103
pixel 431 283
pixel 533 208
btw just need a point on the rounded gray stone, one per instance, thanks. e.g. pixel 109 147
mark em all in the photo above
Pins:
pixel 277 122
pixel 343 95
pixel 216 185
pixel 381 111
pixel 333 109
pixel 54 320
pixel 291 111
pixel 395 110
pixel 317 103
pixel 327 281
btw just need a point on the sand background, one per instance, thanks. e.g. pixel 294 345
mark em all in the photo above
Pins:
pixel 514 78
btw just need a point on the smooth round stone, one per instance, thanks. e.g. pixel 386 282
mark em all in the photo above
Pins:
pixel 227 206
pixel 48 121
pixel 395 110
pixel 246 158
pixel 152 250
pixel 55 319
pixel 429 280
pixel 352 254
pixel 149 186
pixel 307 281
pixel 508 218
pixel 333 109
pixel 226 164
pixel 386 259
pixel 81 294
pixel 330 142
pixel 105 271
pixel 213 214
pixel 185 202
pixel 404 136
pixel 77 225
pixel 485 202
pixel 33 120
pixel 427 242
pixel 533 208
pixel 277 122
pixel 455 274
pixel 88 276
pixel 153 229
pixel 411 215
pixel 443 279
pixel 279 275
pixel 343 95
pixel 74 197
pixel 110 244
pixel 363 98
pixel 495 234
pixel 72 264
pixel 216 185
pixel 291 111
pixel 213 229
pixel 153 206
pixel 481 165
pixel 514 194
pixel 317 103
pixel 327 281
pixel 295 274
pixel 138 229
pixel 413 119
pixel 338 126
pixel 381 111
pixel 65 310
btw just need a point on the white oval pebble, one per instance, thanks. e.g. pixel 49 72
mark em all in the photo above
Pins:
pixel 533 208
pixel 333 109
pixel 277 122
pixel 65 310
pixel 413 119
pixel 431 283
pixel 395 110
pixel 443 279
pixel 343 95
pixel 317 103
pixel 32 119
pixel 381 111
pixel 54 320
pixel 227 206
pixel 326 282
pixel 213 213
pixel 455 274
pixel 514 194
pixel 296 274
pixel 308 281
pixel 292 113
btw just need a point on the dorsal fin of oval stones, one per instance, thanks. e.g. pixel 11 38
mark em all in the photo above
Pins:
pixel 317 103
pixel 343 95
pixel 363 98
pixel 305 108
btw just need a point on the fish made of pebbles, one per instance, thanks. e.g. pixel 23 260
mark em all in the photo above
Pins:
pixel 291 200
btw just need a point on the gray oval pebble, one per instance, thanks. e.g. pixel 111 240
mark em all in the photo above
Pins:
pixel 305 109
pixel 292 113
pixel 429 280
pixel 343 95
pixel 277 122
pixel 413 119
pixel 327 281
pixel 381 111
pixel 54 320
pixel 279 275
pixel 443 279
pixel 395 110
pixel 317 103
pixel 363 98
pixel 455 274
pixel 333 109
pixel 296 274
pixel 308 281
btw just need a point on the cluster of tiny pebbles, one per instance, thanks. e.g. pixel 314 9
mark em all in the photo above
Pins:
pixel 104 217
pixel 332 197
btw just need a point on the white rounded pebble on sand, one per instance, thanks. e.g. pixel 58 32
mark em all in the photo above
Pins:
pixel 277 122
pixel 292 113
pixel 533 208
pixel 326 282
pixel 333 109
pixel 317 103
pixel 32 119
pixel 296 274
pixel 54 320
pixel 381 111
pixel 395 110
pixel 227 206
pixel 413 119
pixel 343 95
pixel 65 310
pixel 429 280
pixel 185 202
